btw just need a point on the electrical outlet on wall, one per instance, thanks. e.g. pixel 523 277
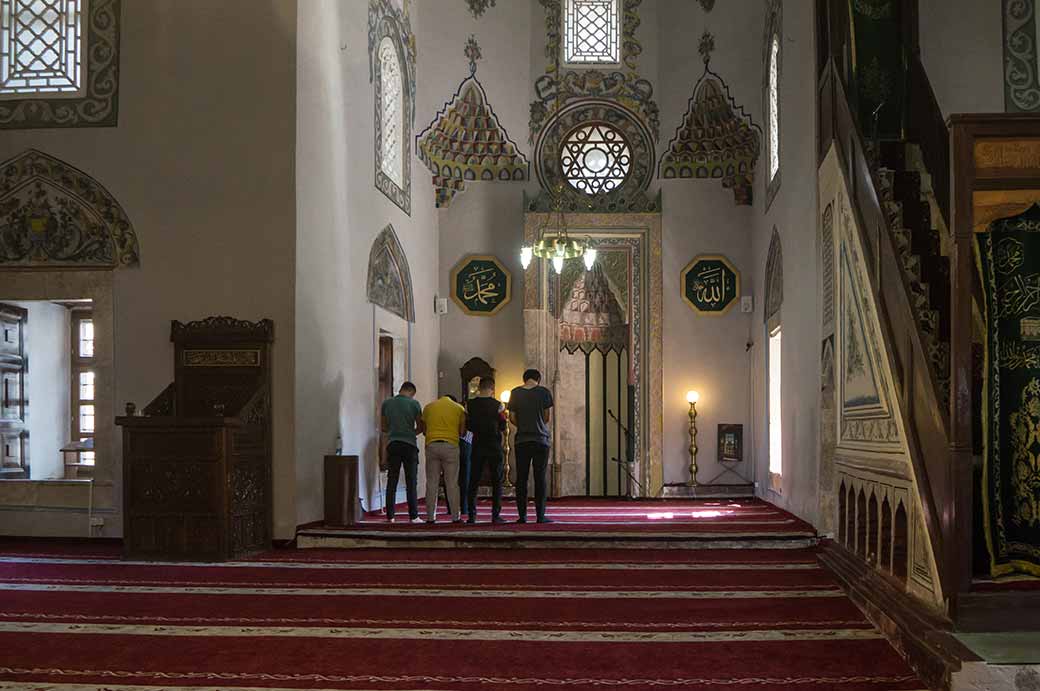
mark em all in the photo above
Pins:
pixel 747 304
pixel 440 306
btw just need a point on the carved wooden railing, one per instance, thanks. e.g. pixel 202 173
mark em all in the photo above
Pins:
pixel 926 127
pixel 924 419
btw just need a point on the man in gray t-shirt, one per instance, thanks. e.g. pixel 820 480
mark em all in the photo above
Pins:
pixel 529 407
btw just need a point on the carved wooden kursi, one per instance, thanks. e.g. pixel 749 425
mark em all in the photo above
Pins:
pixel 197 466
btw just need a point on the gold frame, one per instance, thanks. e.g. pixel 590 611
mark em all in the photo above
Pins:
pixel 686 270
pixel 485 257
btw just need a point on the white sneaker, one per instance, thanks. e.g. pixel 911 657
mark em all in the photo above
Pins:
pixel 417 520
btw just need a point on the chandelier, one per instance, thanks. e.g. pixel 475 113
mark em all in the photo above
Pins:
pixel 555 242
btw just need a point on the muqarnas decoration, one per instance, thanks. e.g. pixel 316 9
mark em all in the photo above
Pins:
pixel 717 139
pixel 466 141
pixel 54 215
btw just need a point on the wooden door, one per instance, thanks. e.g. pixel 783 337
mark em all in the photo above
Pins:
pixel 384 387
pixel 14 432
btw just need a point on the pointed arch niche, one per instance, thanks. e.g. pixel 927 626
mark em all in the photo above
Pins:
pixel 62 236
pixel 389 282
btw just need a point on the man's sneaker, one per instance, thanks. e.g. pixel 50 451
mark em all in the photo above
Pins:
pixel 471 520
pixel 543 519
pixel 522 519
pixel 416 519
pixel 499 519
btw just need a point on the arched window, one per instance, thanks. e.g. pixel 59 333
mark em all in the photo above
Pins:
pixel 774 108
pixel 774 357
pixel 392 61
pixel 391 113
pixel 773 54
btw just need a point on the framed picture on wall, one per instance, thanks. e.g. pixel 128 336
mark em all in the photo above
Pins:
pixel 731 443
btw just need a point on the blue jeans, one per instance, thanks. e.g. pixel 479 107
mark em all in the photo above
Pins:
pixel 465 454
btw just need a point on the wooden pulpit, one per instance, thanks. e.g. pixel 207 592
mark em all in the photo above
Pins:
pixel 197 464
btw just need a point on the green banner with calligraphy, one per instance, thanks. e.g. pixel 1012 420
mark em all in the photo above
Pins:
pixel 1009 259
pixel 710 285
pixel 481 285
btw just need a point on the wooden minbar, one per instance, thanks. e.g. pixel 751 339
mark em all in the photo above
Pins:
pixel 197 463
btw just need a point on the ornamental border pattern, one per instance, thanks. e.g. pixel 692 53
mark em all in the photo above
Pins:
pixel 99 104
pixel 1021 78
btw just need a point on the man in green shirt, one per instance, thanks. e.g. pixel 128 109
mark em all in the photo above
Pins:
pixel 401 422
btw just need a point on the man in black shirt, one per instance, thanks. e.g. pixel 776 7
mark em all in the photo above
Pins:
pixel 485 419
pixel 529 410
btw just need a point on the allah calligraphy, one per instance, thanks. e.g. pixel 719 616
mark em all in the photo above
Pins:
pixel 710 285
pixel 481 285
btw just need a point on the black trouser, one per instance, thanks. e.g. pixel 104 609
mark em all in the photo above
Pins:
pixel 402 453
pixel 528 454
pixel 465 457
pixel 483 458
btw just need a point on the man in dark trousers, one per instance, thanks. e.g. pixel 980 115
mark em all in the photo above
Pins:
pixel 485 420
pixel 529 407
pixel 402 421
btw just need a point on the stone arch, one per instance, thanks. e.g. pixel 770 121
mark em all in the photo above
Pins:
pixel 54 215
pixel 389 283
pixel 774 277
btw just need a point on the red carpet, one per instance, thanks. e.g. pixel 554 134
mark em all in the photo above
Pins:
pixel 437 620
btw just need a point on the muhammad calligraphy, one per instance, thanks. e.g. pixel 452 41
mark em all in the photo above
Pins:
pixel 481 285
pixel 710 284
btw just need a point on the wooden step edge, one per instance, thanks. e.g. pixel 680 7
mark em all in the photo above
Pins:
pixel 921 635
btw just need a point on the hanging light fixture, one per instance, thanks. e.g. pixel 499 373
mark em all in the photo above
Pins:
pixel 554 242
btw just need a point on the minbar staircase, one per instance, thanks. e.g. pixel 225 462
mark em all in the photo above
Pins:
pixel 926 268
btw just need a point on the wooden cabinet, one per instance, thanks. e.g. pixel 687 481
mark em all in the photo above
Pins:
pixel 197 465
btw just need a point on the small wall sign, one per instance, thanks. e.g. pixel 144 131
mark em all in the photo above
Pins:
pixel 481 285
pixel 710 284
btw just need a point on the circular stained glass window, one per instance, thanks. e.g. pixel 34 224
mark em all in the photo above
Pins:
pixel 595 158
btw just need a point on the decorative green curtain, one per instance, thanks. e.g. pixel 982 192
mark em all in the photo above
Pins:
pixel 1009 263
pixel 879 66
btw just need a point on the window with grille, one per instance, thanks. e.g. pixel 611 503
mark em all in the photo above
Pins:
pixel 595 158
pixel 84 393
pixel 41 47
pixel 391 113
pixel 774 107
pixel 591 32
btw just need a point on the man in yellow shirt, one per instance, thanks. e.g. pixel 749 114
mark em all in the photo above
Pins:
pixel 445 422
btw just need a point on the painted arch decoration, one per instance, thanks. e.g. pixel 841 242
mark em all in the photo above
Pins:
pixel 717 139
pixel 467 142
pixel 54 215
pixel 389 283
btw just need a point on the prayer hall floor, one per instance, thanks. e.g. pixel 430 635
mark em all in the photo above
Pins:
pixel 79 617
pixel 585 523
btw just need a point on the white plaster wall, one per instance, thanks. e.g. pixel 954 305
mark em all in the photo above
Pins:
pixel 202 162
pixel 962 52
pixel 794 213
pixel 339 215
pixel 488 217
pixel 700 217
pixel 47 344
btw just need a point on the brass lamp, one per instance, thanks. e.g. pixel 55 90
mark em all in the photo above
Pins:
pixel 506 482
pixel 692 397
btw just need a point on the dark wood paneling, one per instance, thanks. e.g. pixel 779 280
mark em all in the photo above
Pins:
pixel 197 472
